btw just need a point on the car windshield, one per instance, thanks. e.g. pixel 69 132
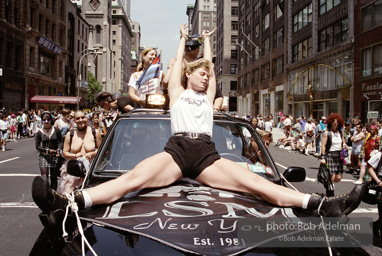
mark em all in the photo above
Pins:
pixel 133 140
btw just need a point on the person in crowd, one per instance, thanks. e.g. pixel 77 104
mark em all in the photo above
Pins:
pixel 296 133
pixel 303 122
pixel 348 133
pixel 288 123
pixel 254 123
pixel 19 118
pixel 38 120
pixel 332 143
pixel 4 127
pixel 266 136
pixel 106 101
pixel 191 53
pixel 137 90
pixel 285 141
pixel 370 144
pixel 282 120
pixel 97 124
pixel 13 128
pixel 107 121
pixel 197 83
pixel 320 129
pixel 80 144
pixel 48 142
pixel 261 124
pixel 357 140
pixel 63 123
pixel 268 124
pixel 308 135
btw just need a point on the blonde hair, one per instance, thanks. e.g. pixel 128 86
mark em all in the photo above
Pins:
pixel 143 54
pixel 192 66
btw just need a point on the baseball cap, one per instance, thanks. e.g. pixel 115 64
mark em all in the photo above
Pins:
pixel 194 41
pixel 101 96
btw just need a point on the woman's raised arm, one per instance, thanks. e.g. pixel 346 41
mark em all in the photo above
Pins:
pixel 174 85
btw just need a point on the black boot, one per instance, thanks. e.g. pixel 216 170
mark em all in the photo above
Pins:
pixel 338 205
pixel 50 202
pixel 329 193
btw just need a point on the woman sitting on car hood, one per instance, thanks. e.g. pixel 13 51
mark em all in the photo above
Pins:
pixel 190 153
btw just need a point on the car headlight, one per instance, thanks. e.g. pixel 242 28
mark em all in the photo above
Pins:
pixel 156 100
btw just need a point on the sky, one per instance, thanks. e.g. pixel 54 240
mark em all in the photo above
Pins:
pixel 160 21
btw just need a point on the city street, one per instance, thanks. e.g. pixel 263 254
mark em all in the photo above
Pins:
pixel 19 215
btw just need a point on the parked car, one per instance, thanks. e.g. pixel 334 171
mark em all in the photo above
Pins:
pixel 186 217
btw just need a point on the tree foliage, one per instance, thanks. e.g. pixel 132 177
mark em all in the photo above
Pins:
pixel 93 88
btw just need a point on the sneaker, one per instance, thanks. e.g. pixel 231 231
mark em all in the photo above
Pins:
pixel 338 205
pixel 358 182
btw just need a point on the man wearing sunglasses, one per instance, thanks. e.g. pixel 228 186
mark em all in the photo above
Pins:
pixel 107 101
pixel 191 54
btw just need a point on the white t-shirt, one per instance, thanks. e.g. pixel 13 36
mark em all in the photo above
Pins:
pixel 192 112
pixel 336 141
pixel 268 126
pixel 4 125
pixel 152 87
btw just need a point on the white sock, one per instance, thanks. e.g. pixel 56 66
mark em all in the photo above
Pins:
pixel 305 201
pixel 87 199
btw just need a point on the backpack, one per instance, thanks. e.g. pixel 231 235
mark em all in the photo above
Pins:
pixel 72 134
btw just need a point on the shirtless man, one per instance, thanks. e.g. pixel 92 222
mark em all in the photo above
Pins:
pixel 83 143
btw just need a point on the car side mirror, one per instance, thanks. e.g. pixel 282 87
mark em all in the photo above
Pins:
pixel 295 174
pixel 76 168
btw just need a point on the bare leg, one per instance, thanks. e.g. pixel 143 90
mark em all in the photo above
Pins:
pixel 156 171
pixel 228 175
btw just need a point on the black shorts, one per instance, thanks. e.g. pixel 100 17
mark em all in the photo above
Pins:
pixel 191 155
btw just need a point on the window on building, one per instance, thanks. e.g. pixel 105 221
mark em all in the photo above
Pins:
pixel 98 34
pixel 114 22
pixel 278 11
pixel 257 30
pixel 233 85
pixel 327 5
pixel 32 17
pixel 302 18
pixel 278 65
pixel 31 56
pixel 46 64
pixel 266 22
pixel 233 40
pixel 233 69
pixel 372 61
pixel 234 54
pixel 234 11
pixel 278 38
pixel 265 46
pixel 114 33
pixel 372 15
pixel 234 25
pixel 265 71
pixel 256 9
pixel 256 76
pixel 333 35
pixel 256 53
pixel 302 50
pixel 248 18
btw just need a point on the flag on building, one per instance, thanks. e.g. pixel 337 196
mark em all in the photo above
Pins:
pixel 153 71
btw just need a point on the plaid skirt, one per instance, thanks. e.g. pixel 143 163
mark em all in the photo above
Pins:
pixel 334 162
pixel 46 161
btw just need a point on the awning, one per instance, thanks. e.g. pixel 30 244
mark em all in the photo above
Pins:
pixel 54 99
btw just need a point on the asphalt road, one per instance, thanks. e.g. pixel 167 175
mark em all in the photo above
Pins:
pixel 19 215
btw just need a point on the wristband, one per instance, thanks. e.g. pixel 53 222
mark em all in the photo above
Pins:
pixel 322 156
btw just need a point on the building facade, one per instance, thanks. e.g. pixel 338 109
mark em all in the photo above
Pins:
pixel 227 16
pixel 204 18
pixel 135 45
pixel 320 58
pixel 121 45
pixel 368 59
pixel 262 55
pixel 12 55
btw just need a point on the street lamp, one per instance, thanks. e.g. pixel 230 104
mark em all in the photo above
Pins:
pixel 90 51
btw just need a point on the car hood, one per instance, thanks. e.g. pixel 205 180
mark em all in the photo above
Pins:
pixel 191 217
